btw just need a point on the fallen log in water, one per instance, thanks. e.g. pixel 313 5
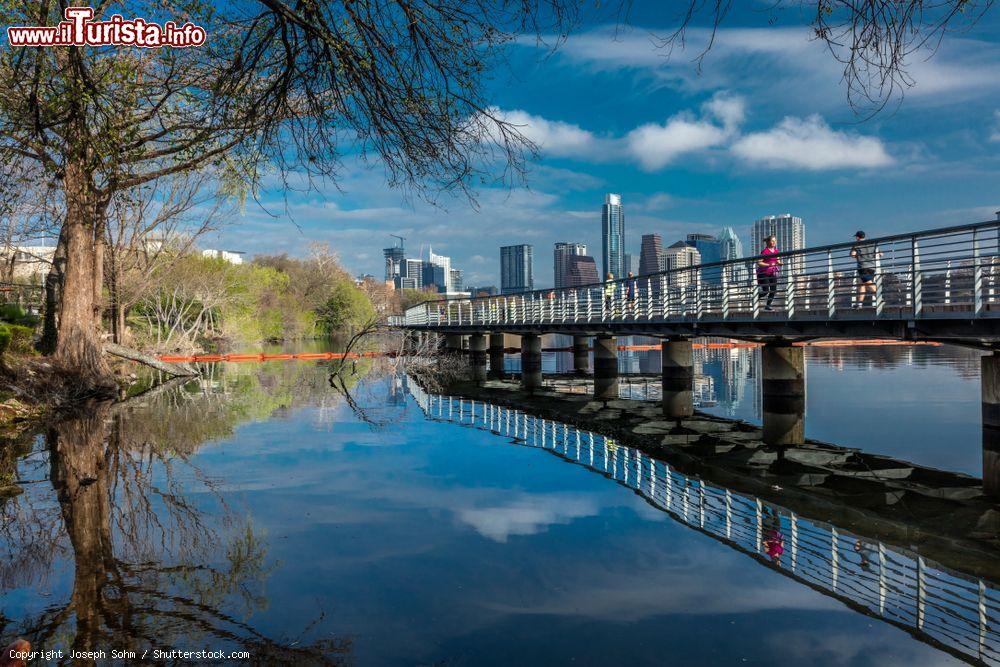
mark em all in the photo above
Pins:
pixel 174 369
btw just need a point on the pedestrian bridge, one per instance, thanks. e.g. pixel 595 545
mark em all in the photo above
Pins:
pixel 942 284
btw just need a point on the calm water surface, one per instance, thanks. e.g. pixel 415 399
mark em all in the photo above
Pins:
pixel 262 510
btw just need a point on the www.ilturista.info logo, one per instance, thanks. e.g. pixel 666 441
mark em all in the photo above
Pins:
pixel 79 29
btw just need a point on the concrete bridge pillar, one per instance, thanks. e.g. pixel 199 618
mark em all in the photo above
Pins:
pixel 784 392
pixel 581 354
pixel 991 424
pixel 605 368
pixel 678 378
pixel 531 361
pixel 453 343
pixel 496 356
pixel 477 357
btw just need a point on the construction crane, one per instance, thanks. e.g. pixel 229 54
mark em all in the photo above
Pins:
pixel 402 240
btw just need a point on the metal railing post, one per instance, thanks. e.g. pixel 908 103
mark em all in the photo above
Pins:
pixel 879 292
pixel 977 276
pixel 947 283
pixel 831 286
pixel 917 281
pixel 725 293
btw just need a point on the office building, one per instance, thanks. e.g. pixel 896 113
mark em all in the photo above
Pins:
pixel 732 248
pixel 613 236
pixel 412 276
pixel 791 234
pixel 231 256
pixel 651 254
pixel 710 249
pixel 581 270
pixel 560 257
pixel 455 282
pixel 681 256
pixel 394 259
pixel 516 271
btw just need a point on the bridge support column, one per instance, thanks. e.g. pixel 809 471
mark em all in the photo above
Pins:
pixel 453 343
pixel 531 362
pixel 784 393
pixel 496 356
pixel 605 368
pixel 678 378
pixel 581 354
pixel 477 357
pixel 991 424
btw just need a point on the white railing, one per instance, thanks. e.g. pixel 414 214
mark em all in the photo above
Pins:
pixel 950 273
pixel 936 604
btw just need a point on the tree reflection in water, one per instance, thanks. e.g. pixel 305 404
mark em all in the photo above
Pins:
pixel 149 570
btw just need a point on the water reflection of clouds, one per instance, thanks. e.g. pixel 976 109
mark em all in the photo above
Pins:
pixel 528 514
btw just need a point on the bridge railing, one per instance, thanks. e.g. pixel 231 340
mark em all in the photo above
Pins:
pixel 950 272
pixel 944 607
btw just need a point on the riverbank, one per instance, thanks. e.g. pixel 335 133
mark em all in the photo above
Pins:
pixel 942 514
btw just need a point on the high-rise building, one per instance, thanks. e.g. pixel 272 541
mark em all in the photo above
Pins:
pixel 561 254
pixel 680 256
pixel 732 248
pixel 581 270
pixel 613 236
pixel 413 274
pixel 455 281
pixel 438 267
pixel 791 234
pixel 710 249
pixel 651 254
pixel 394 258
pixel 516 271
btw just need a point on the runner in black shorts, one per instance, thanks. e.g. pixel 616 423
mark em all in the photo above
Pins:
pixel 865 255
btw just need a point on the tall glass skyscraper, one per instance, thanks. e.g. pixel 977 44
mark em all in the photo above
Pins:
pixel 791 233
pixel 613 236
pixel 710 249
pixel 560 263
pixel 516 272
pixel 732 248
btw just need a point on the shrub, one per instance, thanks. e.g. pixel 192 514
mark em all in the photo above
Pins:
pixel 21 339
pixel 4 338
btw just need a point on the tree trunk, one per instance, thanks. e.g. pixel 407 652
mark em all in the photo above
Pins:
pixel 78 347
pixel 53 297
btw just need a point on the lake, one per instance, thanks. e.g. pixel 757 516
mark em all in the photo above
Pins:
pixel 260 510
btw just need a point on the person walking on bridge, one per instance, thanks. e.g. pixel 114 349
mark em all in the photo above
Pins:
pixel 865 254
pixel 767 270
pixel 609 293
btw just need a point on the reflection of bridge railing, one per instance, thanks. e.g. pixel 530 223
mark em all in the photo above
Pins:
pixel 949 610
pixel 945 273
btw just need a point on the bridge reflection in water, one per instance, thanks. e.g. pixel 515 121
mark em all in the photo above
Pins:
pixel 952 611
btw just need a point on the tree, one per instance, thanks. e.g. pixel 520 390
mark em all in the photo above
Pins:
pixel 872 39
pixel 288 85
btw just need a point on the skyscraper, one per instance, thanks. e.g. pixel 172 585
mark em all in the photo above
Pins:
pixel 560 264
pixel 680 256
pixel 456 280
pixel 651 254
pixel 710 249
pixel 581 270
pixel 613 236
pixel 394 258
pixel 631 265
pixel 438 270
pixel 516 273
pixel 791 233
pixel 732 248
pixel 412 276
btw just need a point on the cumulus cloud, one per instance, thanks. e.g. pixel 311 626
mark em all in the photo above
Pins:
pixel 553 137
pixel 810 143
pixel 526 515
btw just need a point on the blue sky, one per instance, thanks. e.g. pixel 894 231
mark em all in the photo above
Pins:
pixel 763 128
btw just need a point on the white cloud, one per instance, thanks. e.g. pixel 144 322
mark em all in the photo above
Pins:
pixel 655 146
pixel 730 109
pixel 810 143
pixel 527 515
pixel 553 137
pixel 995 135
